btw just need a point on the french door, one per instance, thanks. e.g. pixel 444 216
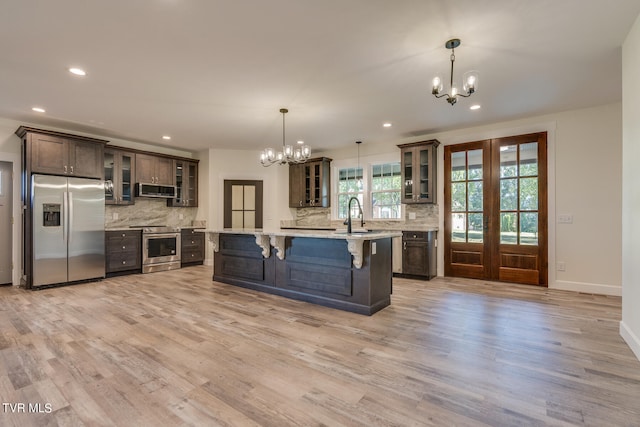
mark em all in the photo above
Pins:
pixel 495 221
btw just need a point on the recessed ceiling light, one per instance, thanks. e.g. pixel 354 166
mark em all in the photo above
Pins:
pixel 167 137
pixel 300 142
pixel 386 125
pixel 77 71
pixel 38 109
pixel 475 107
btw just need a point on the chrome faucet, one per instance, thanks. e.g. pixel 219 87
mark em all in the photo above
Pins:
pixel 347 221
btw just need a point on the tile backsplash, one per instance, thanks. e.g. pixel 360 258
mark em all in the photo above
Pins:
pixel 426 216
pixel 148 211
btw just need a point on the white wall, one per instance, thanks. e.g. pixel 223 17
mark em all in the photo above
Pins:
pixel 630 324
pixel 584 155
pixel 242 164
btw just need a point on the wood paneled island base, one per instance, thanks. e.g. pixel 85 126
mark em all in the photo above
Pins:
pixel 348 272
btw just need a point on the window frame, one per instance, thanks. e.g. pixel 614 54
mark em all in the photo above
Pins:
pixel 366 163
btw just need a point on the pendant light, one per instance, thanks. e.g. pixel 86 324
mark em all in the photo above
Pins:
pixel 470 79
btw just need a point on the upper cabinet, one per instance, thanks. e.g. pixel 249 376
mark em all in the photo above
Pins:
pixel 57 153
pixel 310 183
pixel 119 171
pixel 186 176
pixel 419 171
pixel 152 169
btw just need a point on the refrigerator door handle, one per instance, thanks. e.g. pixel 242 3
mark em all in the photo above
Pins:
pixel 70 216
pixel 65 210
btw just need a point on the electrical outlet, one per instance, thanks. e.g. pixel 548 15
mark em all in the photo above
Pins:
pixel 115 216
pixel 181 216
pixel 412 215
pixel 561 266
pixel 373 248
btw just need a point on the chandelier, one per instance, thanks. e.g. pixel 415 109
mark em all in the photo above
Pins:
pixel 470 79
pixel 288 154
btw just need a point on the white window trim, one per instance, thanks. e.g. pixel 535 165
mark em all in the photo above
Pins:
pixel 366 163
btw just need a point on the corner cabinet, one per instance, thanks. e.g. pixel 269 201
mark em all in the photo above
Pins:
pixel 57 153
pixel 186 176
pixel 419 171
pixel 119 169
pixel 310 183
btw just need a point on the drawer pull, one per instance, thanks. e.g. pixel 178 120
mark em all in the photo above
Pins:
pixel 124 234
pixel 124 247
pixel 124 262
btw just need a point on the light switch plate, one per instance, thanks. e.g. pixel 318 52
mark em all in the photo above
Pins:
pixel 565 219
pixel 412 215
pixel 373 248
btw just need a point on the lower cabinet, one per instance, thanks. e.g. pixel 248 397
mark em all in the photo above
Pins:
pixel 123 252
pixel 192 247
pixel 419 254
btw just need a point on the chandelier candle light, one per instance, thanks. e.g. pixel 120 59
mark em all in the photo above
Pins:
pixel 288 154
pixel 470 79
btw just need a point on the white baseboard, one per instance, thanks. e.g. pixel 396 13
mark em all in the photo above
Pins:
pixel 588 288
pixel 630 338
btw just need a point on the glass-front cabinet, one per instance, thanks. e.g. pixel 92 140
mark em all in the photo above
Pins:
pixel 186 184
pixel 310 183
pixel 119 172
pixel 419 171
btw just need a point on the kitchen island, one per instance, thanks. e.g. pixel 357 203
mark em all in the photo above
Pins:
pixel 351 272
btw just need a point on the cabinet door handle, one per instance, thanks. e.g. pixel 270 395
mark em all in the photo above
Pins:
pixel 404 246
pixel 71 169
pixel 65 169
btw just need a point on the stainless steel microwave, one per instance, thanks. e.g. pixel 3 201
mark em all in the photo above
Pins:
pixel 155 190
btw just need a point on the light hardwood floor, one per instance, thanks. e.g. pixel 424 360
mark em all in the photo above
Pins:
pixel 175 348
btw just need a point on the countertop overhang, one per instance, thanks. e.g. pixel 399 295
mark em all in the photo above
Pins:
pixel 276 238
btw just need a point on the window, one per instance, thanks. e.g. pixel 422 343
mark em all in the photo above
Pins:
pixel 385 191
pixel 349 185
pixel 378 190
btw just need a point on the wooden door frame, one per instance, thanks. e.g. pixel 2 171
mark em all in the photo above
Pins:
pixel 493 268
pixel 228 184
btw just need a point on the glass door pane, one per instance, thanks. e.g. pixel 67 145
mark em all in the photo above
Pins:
pixel 424 173
pixel 519 202
pixel 408 175
pixel 125 179
pixel 109 168
pixel 467 197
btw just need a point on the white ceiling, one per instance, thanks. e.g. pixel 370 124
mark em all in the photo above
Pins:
pixel 214 73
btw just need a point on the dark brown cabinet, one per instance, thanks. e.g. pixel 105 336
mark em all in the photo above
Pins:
pixel 186 176
pixel 56 153
pixel 119 171
pixel 192 247
pixel 419 254
pixel 123 250
pixel 154 170
pixel 419 171
pixel 310 183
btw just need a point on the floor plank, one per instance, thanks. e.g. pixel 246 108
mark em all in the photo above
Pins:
pixel 176 348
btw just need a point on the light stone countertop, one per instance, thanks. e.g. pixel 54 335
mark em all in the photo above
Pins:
pixel 358 233
pixel 267 239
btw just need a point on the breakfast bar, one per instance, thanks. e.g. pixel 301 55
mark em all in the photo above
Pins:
pixel 346 271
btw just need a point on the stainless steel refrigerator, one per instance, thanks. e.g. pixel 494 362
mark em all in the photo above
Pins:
pixel 68 229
